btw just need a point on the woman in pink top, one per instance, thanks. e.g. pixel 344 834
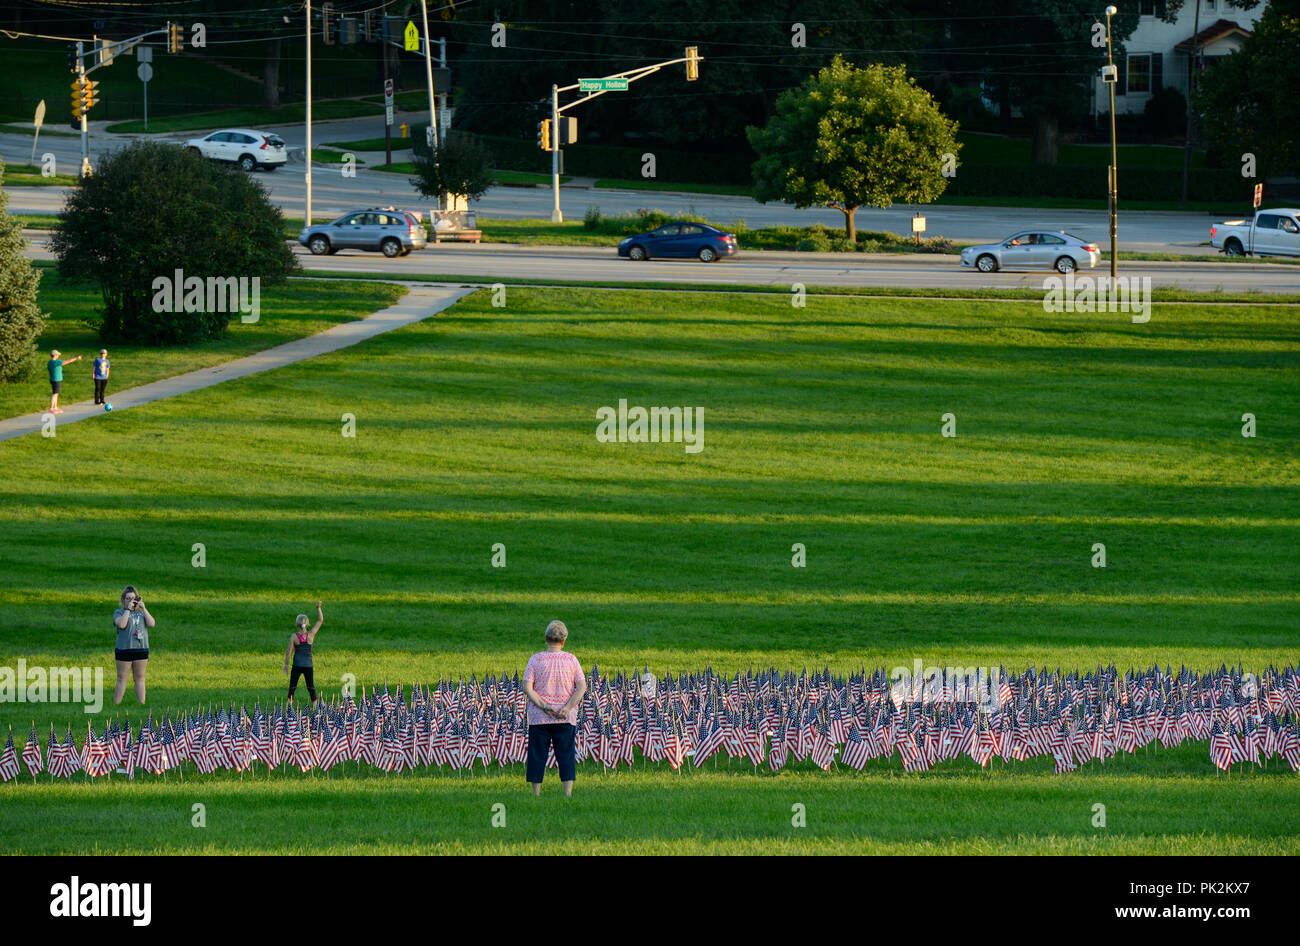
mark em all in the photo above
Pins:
pixel 554 686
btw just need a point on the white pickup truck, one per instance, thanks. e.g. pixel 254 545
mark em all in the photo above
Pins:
pixel 1271 233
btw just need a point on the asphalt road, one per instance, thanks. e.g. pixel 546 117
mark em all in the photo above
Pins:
pixel 333 194
pixel 543 264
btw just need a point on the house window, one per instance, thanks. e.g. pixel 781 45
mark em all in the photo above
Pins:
pixel 1147 8
pixel 1139 73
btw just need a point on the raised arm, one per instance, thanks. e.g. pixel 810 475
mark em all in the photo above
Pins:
pixel 320 619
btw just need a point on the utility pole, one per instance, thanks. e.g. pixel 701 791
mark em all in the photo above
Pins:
pixel 428 73
pixel 307 209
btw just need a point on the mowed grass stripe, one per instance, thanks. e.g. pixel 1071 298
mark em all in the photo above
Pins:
pixel 728 810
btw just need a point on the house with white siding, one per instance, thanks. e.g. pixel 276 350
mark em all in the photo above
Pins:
pixel 1160 54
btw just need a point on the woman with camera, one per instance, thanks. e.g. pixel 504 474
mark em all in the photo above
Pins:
pixel 132 621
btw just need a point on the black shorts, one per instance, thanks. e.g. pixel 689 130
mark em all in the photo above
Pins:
pixel 56 387
pixel 139 653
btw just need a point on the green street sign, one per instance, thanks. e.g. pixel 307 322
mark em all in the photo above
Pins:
pixel 411 37
pixel 602 85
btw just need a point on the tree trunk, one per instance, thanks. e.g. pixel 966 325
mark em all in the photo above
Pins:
pixel 271 75
pixel 1046 134
pixel 850 224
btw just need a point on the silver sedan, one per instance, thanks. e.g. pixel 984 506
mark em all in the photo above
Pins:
pixel 1033 249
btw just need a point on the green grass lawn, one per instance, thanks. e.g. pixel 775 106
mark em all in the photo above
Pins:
pixel 373 144
pixel 822 427
pixel 642 184
pixel 996 149
pixel 330 156
pixel 29 175
pixel 321 110
pixel 38 69
pixel 288 312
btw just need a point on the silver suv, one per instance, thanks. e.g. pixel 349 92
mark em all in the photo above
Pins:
pixel 391 231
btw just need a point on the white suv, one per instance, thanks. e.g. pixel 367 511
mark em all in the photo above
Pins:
pixel 249 149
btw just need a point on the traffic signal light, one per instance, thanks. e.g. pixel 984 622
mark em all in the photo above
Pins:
pixel 327 23
pixel 85 94
pixel 692 63
pixel 544 134
pixel 175 38
pixel 77 107
pixel 73 58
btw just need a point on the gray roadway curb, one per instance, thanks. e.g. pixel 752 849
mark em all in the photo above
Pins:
pixel 419 304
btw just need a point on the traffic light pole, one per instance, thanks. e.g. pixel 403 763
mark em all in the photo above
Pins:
pixel 83 81
pixel 557 216
pixel 85 121
pixel 631 75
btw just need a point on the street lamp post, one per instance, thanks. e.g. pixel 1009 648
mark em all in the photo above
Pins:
pixel 307 209
pixel 1113 171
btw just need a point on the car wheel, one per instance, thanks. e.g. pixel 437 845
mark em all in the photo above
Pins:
pixel 1065 265
pixel 319 245
pixel 986 264
pixel 391 248
pixel 247 163
pixel 707 254
pixel 637 253
pixel 1234 248
pixel 194 150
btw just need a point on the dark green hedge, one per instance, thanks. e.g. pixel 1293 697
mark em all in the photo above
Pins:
pixel 988 180
pixel 1059 180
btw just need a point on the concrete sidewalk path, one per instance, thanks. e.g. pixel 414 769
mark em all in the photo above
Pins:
pixel 418 304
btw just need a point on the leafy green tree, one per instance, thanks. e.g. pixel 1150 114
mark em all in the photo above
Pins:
pixel 21 319
pixel 151 209
pixel 1248 103
pixel 463 165
pixel 850 137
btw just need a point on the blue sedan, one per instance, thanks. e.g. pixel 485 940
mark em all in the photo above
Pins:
pixel 680 239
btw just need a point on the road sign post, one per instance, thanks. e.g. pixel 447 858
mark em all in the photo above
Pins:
pixel 388 117
pixel 145 72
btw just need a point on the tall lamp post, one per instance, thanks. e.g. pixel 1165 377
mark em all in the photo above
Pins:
pixel 306 212
pixel 1111 75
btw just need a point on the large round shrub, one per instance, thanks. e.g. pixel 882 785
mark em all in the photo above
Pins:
pixel 152 209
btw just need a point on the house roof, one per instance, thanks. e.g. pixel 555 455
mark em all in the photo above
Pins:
pixel 1212 34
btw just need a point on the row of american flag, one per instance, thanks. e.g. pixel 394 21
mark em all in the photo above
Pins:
pixel 768 718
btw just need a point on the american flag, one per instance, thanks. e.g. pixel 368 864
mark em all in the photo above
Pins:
pixel 9 767
pixel 32 755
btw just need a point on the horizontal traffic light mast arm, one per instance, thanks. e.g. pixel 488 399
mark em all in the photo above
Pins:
pixel 121 46
pixel 631 75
